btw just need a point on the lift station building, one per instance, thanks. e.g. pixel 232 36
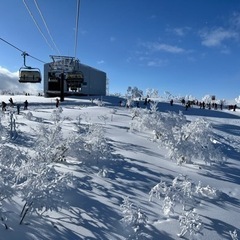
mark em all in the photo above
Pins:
pixel 79 79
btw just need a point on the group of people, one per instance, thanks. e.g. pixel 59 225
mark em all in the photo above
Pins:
pixel 204 105
pixel 4 105
pixel 25 105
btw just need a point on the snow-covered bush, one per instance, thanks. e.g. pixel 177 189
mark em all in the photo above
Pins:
pixel 186 141
pixel 99 102
pixel 40 185
pixel 103 172
pixel 56 115
pixel 207 98
pixel 152 93
pixel 181 190
pixel 168 206
pixel 193 141
pixel 133 219
pixel 190 223
pixel 91 145
pixel 233 235
pixel 3 131
pixel 113 111
pixel 206 191
pixel 43 187
pixel 9 163
pixel 29 116
pixel 50 144
pixel 103 118
pixel 11 160
pixel 133 92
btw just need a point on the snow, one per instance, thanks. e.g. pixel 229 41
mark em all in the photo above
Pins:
pixel 101 188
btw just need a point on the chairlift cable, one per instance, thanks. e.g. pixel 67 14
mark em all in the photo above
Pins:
pixel 23 52
pixel 34 20
pixel 76 30
pixel 45 24
pixel 11 45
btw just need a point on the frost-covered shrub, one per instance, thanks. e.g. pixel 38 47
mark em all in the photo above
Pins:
pixel 99 102
pixel 103 172
pixel 42 188
pixel 180 191
pixel 152 93
pixel 206 191
pixel 96 143
pixel 133 219
pixel 233 235
pixel 186 141
pixel 158 191
pixel 103 118
pixel 193 141
pixel 190 223
pixel 134 92
pixel 29 116
pixel 10 161
pixel 56 115
pixel 90 145
pixel 50 144
pixel 168 206
pixel 3 131
pixel 113 111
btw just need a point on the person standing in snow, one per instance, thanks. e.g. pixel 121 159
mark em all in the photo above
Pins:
pixel 57 103
pixel 11 102
pixel 26 105
pixel 4 106
pixel 18 109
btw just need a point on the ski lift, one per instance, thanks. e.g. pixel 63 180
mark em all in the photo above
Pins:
pixel 28 74
pixel 74 79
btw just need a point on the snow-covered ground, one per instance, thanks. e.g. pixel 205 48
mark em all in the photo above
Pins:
pixel 92 169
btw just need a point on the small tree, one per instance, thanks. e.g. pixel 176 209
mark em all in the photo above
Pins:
pixel 134 219
pixel 43 187
pixel 190 223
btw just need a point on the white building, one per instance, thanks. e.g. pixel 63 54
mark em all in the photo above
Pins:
pixel 93 81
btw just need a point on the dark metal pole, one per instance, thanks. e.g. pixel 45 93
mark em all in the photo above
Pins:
pixel 62 87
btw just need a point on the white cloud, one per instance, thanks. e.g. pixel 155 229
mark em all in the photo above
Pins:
pixel 235 20
pixel 181 32
pixel 155 47
pixel 166 48
pixel 9 82
pixel 157 63
pixel 216 36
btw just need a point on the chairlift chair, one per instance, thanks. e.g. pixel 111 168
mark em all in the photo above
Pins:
pixel 29 75
pixel 74 79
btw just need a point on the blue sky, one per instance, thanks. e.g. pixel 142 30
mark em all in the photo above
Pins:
pixel 184 47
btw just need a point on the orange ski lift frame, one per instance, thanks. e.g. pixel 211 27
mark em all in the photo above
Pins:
pixel 28 74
